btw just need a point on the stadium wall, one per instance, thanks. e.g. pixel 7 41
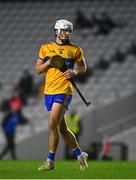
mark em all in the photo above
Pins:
pixel 36 147
pixel 108 119
pixel 113 120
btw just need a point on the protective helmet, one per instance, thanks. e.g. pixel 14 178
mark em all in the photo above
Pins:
pixel 63 24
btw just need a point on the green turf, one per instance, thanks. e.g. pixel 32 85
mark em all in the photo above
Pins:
pixel 68 170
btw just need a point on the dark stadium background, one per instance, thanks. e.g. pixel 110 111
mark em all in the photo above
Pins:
pixel 110 81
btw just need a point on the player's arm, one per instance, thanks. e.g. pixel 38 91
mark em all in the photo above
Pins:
pixel 81 69
pixel 81 65
pixel 41 66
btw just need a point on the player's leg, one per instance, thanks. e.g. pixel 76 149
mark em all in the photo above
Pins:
pixel 55 116
pixel 67 135
pixel 70 139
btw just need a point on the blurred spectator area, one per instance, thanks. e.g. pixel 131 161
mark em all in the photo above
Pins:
pixel 119 151
pixel 23 30
pixel 26 25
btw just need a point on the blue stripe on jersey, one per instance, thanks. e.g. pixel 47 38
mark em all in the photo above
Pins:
pixel 41 59
pixel 69 62
pixel 47 58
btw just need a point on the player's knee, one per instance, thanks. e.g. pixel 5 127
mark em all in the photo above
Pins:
pixel 63 130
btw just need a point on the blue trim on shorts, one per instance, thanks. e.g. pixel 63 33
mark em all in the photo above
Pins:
pixel 57 98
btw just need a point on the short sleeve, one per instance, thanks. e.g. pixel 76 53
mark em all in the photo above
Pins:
pixel 79 55
pixel 42 53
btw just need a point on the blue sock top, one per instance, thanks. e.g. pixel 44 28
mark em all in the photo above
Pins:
pixel 51 156
pixel 77 151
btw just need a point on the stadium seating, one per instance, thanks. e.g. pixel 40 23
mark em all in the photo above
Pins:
pixel 26 25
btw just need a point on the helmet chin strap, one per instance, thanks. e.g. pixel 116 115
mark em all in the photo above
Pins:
pixel 59 36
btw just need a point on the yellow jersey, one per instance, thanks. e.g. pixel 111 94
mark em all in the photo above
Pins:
pixel 55 82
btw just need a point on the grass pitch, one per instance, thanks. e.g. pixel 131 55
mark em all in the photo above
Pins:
pixel 68 170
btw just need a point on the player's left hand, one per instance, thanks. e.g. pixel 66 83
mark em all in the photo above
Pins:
pixel 68 74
